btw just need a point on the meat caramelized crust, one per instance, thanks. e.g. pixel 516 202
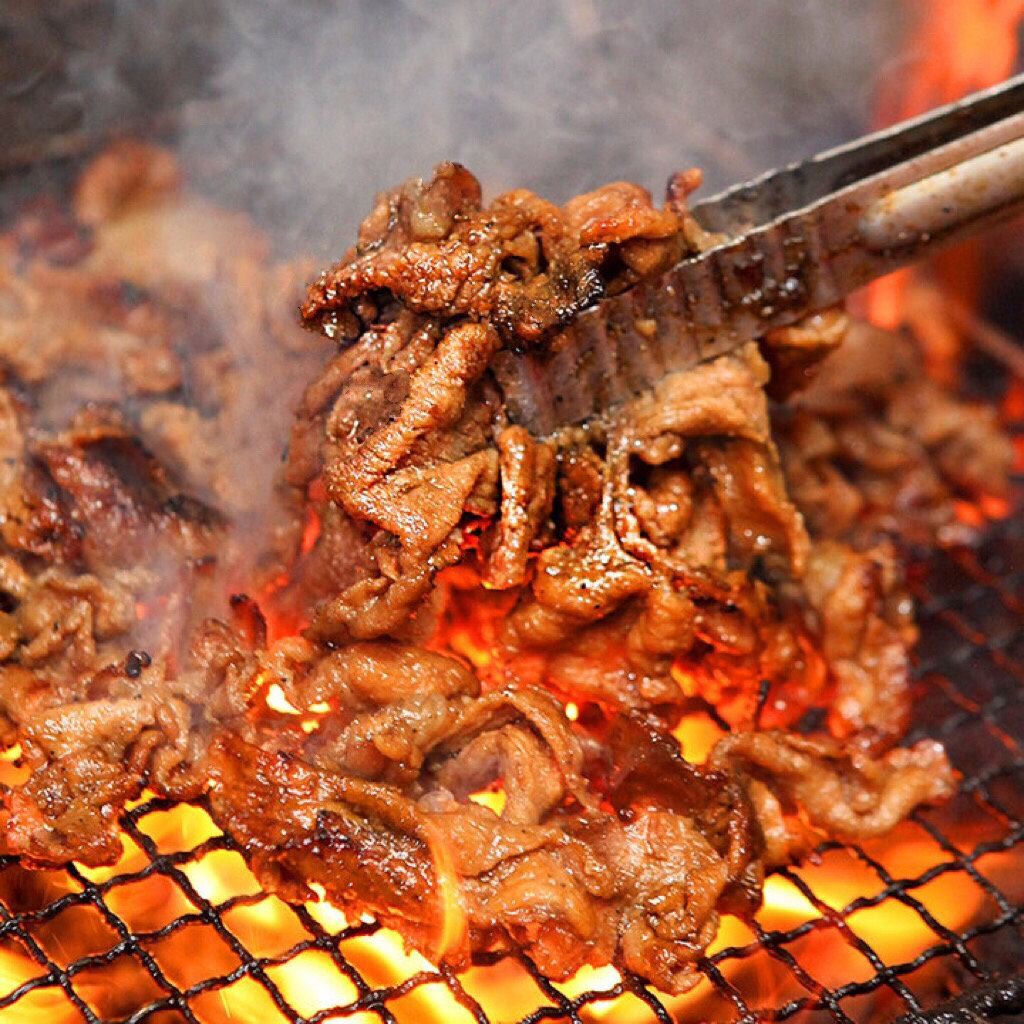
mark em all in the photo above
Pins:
pixel 489 632
pixel 376 811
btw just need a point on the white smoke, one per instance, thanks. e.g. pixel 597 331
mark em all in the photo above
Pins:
pixel 319 105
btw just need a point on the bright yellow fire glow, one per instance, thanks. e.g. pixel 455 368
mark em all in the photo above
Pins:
pixel 279 702
pixel 491 798
pixel 697 734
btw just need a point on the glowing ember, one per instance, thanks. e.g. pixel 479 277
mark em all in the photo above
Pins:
pixel 697 734
pixel 492 798
pixel 279 702
pixel 886 298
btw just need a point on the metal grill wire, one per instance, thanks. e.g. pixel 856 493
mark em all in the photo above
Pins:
pixel 178 929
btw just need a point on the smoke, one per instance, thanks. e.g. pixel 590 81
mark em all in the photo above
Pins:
pixel 300 110
pixel 312 107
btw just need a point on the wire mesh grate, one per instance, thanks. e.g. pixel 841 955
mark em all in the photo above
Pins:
pixel 179 930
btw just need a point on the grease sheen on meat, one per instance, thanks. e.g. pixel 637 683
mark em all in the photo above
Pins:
pixel 666 536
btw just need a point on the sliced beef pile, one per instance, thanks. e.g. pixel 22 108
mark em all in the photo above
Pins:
pixel 659 547
pixel 679 549
pixel 407 429
pixel 610 847
pixel 522 265
pixel 141 331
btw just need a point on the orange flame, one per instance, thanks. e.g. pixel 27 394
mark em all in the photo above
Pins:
pixel 955 48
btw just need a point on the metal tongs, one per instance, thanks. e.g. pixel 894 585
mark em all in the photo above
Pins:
pixel 796 241
pixel 802 238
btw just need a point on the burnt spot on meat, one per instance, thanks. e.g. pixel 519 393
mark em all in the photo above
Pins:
pixel 117 498
pixel 135 662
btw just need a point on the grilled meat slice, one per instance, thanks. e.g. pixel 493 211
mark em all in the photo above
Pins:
pixel 640 889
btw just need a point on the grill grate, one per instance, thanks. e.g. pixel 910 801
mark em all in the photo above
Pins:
pixel 178 929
